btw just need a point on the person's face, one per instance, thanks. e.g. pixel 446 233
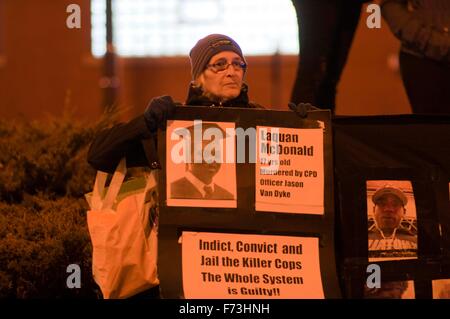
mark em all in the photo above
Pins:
pixel 204 171
pixel 388 212
pixel 225 84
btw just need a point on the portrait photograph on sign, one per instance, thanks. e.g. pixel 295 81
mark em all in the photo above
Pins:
pixel 391 290
pixel 246 266
pixel 290 170
pixel 200 166
pixel 441 289
pixel 392 220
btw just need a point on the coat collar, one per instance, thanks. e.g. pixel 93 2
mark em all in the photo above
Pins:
pixel 196 98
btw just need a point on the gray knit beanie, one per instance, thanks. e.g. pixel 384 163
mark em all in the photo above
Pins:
pixel 209 46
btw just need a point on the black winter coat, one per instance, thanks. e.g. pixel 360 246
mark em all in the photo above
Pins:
pixel 125 139
pixel 422 26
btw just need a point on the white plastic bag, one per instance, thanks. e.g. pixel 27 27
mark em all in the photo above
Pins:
pixel 124 240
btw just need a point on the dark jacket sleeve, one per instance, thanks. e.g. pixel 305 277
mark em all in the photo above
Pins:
pixel 121 140
pixel 415 35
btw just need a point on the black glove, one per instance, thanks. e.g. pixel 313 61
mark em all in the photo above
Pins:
pixel 302 109
pixel 157 112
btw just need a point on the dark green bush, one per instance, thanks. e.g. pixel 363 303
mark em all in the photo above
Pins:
pixel 43 178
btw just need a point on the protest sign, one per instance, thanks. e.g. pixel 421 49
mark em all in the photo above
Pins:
pixel 218 265
pixel 290 170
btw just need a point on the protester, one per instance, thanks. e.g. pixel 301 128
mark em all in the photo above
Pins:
pixel 326 29
pixel 423 27
pixel 218 68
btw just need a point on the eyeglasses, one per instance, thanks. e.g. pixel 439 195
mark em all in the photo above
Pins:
pixel 223 65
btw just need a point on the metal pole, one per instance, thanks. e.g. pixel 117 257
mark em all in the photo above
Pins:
pixel 109 81
pixel 275 78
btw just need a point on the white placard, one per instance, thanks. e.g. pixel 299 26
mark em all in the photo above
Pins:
pixel 290 170
pixel 242 266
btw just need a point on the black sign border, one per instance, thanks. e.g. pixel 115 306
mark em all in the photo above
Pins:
pixel 243 219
